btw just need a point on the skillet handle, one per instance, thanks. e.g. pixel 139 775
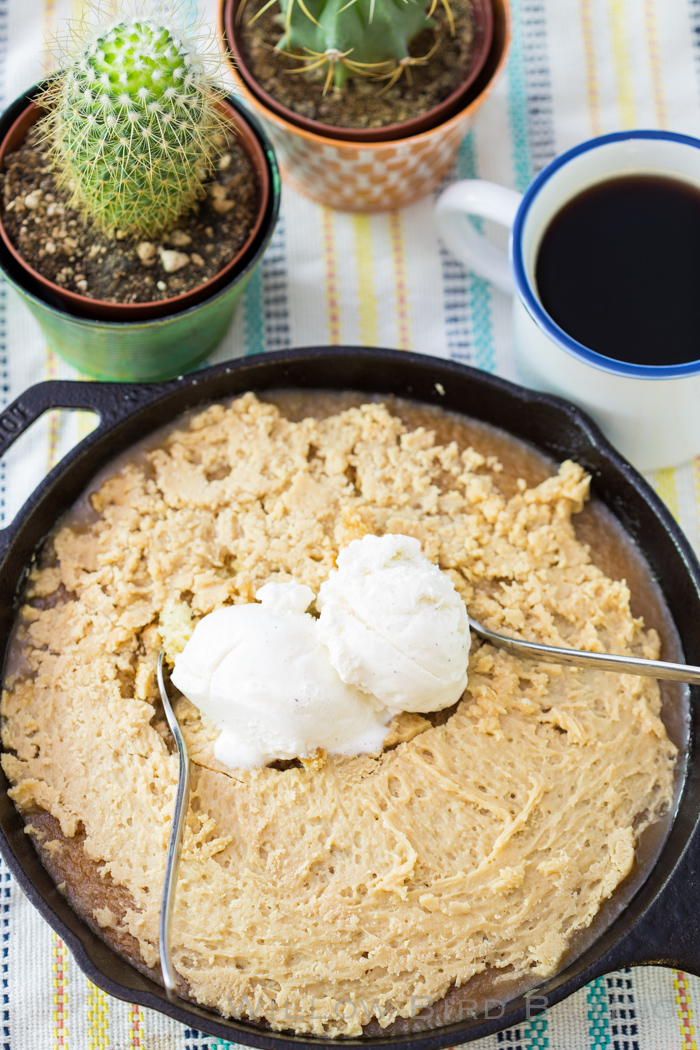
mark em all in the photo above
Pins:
pixel 111 401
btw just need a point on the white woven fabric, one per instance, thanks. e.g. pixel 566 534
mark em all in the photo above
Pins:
pixel 577 68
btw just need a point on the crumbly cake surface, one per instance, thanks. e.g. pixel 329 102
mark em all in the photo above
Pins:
pixel 320 897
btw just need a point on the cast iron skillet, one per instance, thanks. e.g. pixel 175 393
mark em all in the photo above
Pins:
pixel 660 925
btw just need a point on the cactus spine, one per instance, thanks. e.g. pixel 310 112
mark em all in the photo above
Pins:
pixel 134 126
pixel 359 37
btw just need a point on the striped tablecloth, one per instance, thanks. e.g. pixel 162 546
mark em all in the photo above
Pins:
pixel 578 68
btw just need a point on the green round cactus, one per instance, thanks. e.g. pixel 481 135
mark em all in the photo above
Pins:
pixel 354 37
pixel 134 126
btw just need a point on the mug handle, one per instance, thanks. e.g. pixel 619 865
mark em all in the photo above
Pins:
pixel 486 200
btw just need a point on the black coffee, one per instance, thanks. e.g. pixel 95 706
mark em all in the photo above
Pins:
pixel 619 270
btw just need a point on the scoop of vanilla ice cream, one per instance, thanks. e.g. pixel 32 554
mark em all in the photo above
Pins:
pixel 394 625
pixel 260 673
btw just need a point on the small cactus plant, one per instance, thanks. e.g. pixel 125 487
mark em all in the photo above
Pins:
pixel 359 37
pixel 134 125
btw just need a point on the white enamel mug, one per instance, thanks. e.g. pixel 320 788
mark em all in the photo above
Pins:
pixel 651 413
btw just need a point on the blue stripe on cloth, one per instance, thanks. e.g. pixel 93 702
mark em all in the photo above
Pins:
pixel 624 1030
pixel 537 1038
pixel 530 1035
pixel 467 298
pixel 512 1039
pixel 517 103
pixel 265 300
pixel 253 314
pixel 456 298
pixel 6 884
pixel 530 94
pixel 480 290
pixel 195 1040
pixel 598 1017
pixel 540 116
pixel 455 283
pixel 694 13
pixel 275 294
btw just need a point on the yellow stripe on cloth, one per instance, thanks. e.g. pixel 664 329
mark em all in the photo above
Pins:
pixel 87 421
pixel 623 63
pixel 398 258
pixel 655 65
pixel 48 22
pixel 685 1013
pixel 665 485
pixel 330 266
pixel 60 994
pixel 592 85
pixel 98 1018
pixel 367 305
pixel 54 432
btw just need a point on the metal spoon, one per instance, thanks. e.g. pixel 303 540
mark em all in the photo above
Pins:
pixel 602 661
pixel 172 862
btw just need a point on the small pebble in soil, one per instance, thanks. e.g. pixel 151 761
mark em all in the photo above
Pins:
pixel 161 286
pixel 146 252
pixel 219 203
pixel 172 261
pixel 178 238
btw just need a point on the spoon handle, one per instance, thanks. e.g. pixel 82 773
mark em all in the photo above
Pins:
pixel 602 661
pixel 172 862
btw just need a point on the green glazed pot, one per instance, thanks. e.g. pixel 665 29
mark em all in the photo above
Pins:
pixel 143 350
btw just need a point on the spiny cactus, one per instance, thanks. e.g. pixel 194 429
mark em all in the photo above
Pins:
pixel 359 37
pixel 134 126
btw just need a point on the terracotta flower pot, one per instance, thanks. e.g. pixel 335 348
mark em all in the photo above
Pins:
pixel 143 341
pixel 331 166
pixel 82 305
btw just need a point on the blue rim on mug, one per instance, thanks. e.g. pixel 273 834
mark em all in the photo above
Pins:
pixel 532 303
